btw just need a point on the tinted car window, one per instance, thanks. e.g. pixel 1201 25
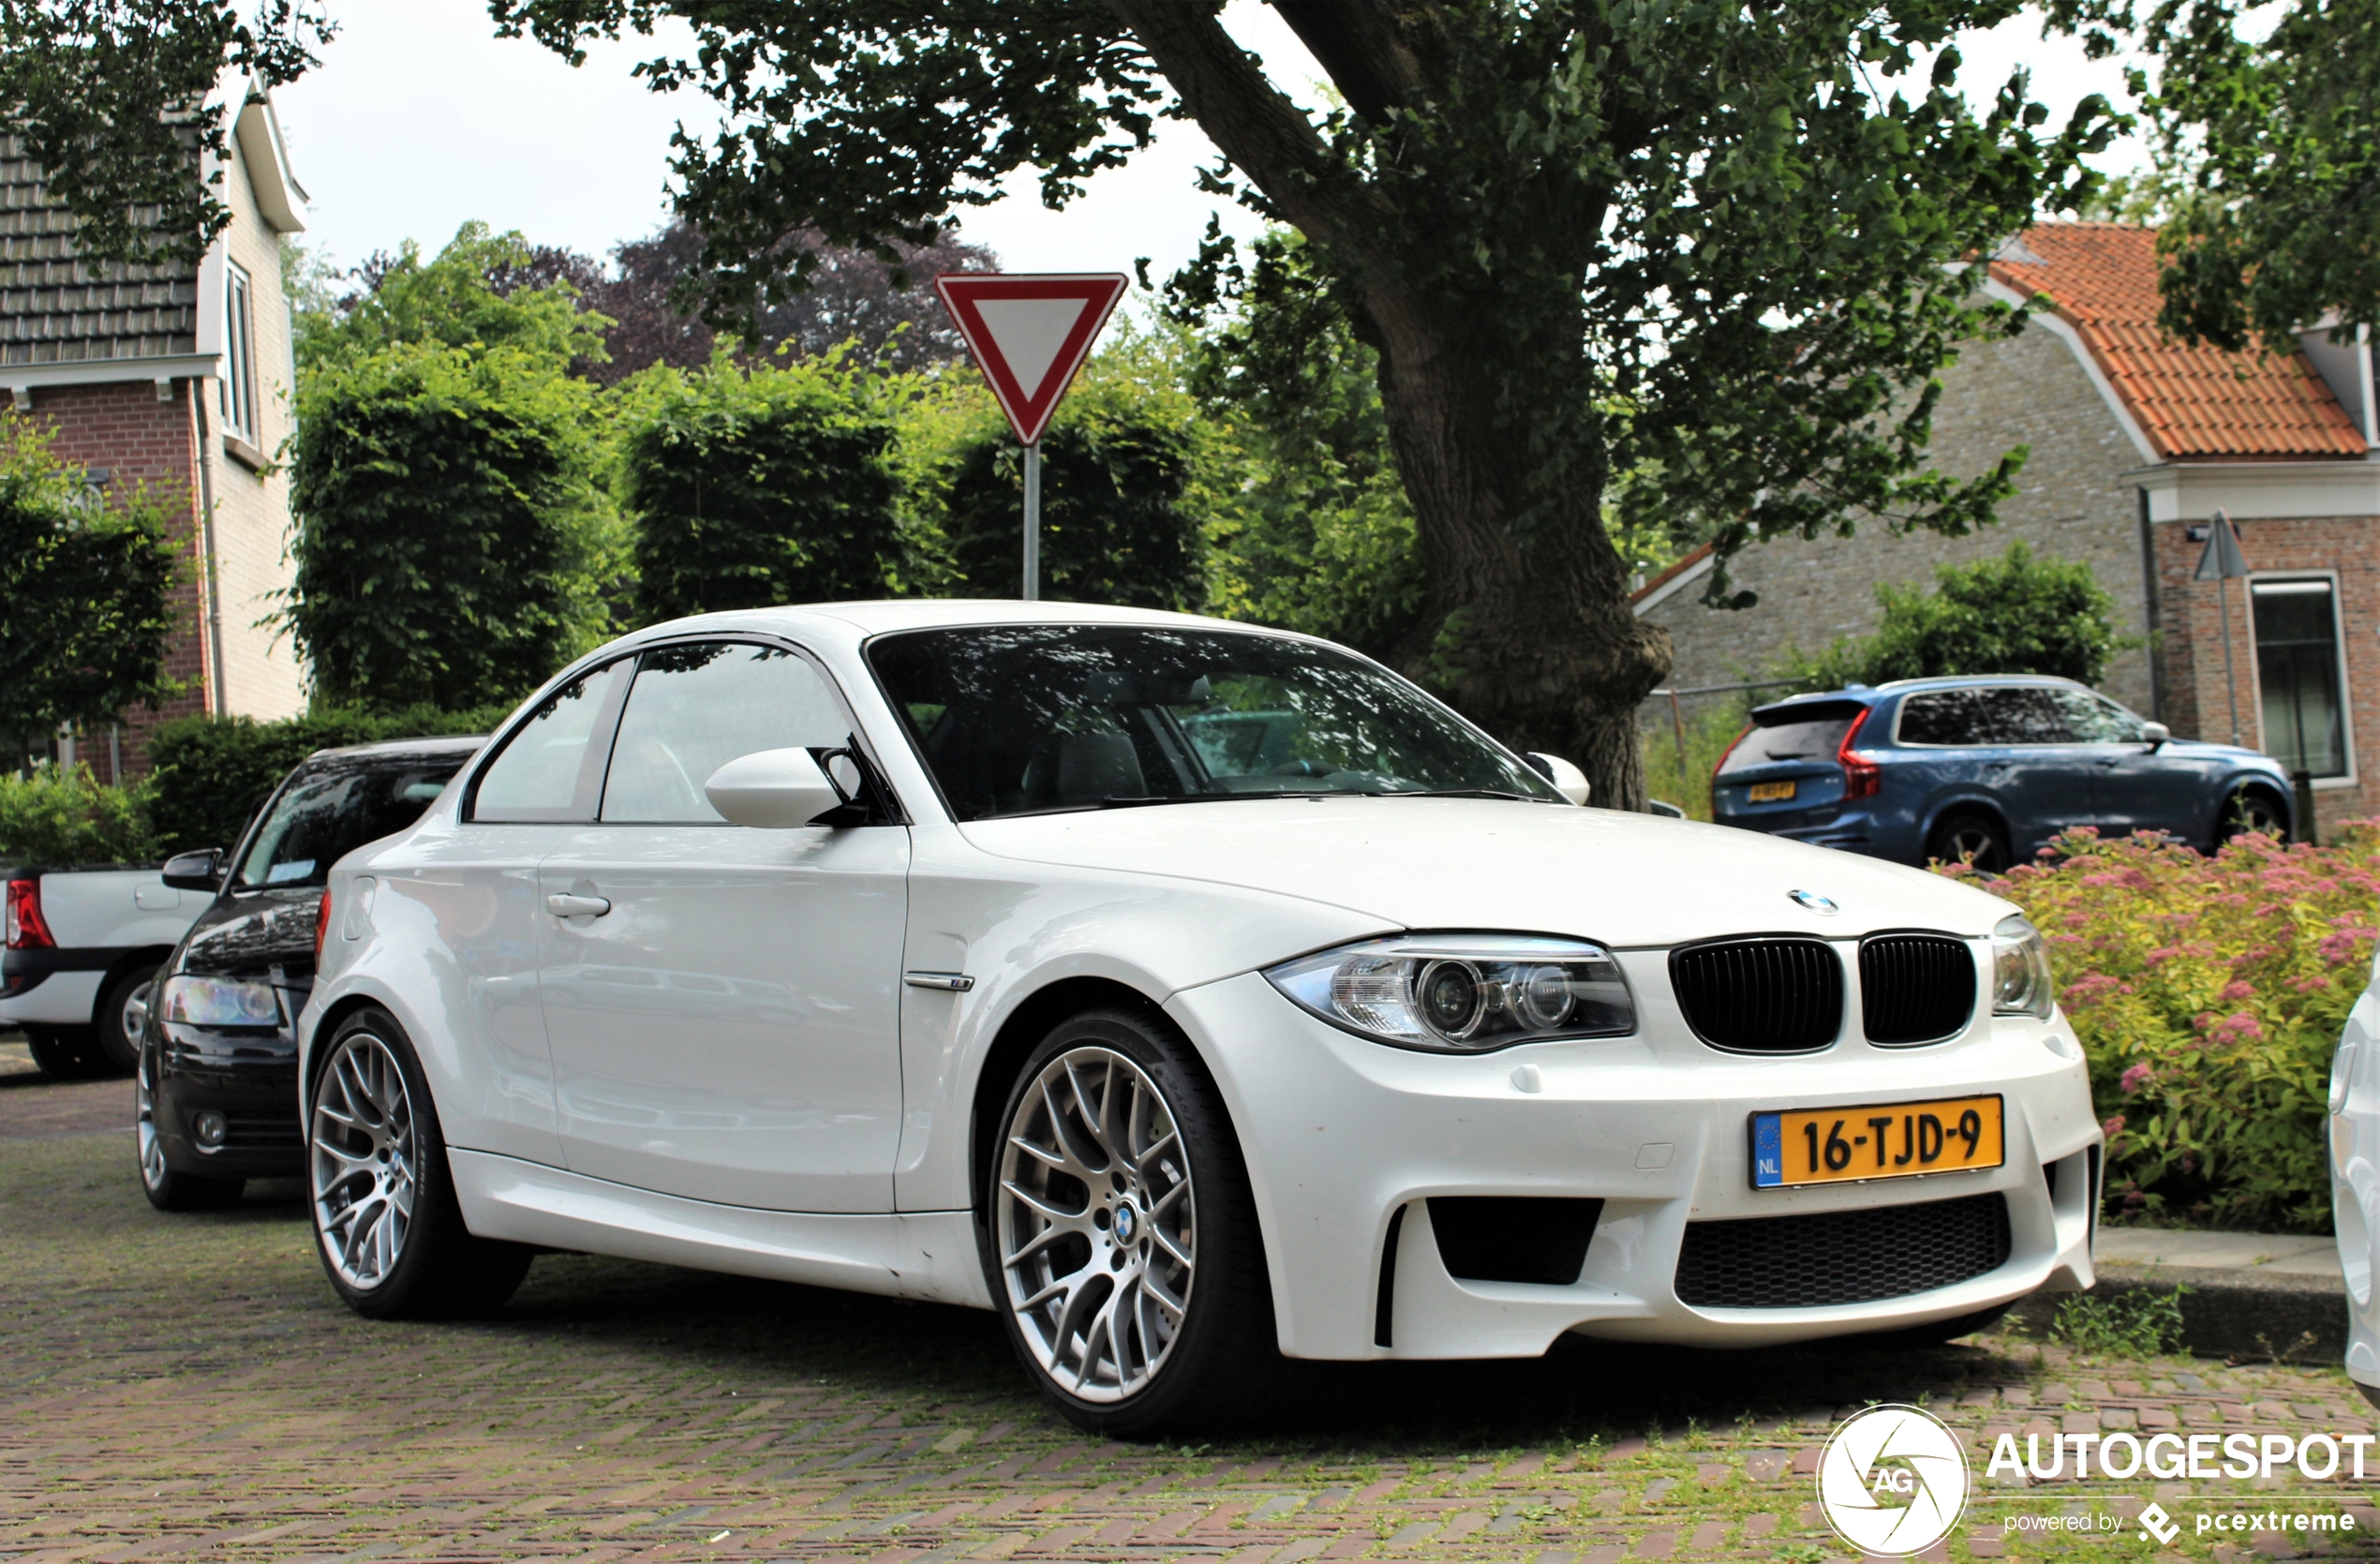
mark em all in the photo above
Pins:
pixel 1018 719
pixel 693 709
pixel 537 776
pixel 2095 719
pixel 1993 715
pixel 332 809
pixel 1809 741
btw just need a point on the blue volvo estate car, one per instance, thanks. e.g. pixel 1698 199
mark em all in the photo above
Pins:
pixel 1987 768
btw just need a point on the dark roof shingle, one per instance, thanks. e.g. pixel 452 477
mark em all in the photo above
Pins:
pixel 54 310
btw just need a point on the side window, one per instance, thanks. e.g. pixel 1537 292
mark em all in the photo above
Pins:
pixel 1941 717
pixel 2094 720
pixel 2023 714
pixel 695 708
pixel 544 771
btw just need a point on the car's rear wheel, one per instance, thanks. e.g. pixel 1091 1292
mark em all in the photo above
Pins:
pixel 1970 838
pixel 123 1014
pixel 386 1222
pixel 1124 1248
pixel 2251 812
pixel 167 1189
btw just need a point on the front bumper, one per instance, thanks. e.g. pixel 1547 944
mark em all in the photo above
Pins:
pixel 247 1075
pixel 1348 1140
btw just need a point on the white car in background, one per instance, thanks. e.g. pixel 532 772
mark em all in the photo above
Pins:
pixel 2354 1185
pixel 1190 994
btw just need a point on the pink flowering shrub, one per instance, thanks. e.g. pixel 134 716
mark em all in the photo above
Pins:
pixel 2208 995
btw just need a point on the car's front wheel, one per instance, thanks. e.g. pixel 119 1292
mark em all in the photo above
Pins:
pixel 1972 838
pixel 167 1189
pixel 2251 812
pixel 123 1014
pixel 1124 1248
pixel 386 1222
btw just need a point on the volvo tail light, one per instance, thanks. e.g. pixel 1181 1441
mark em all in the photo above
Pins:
pixel 1863 777
pixel 321 924
pixel 27 929
pixel 1722 766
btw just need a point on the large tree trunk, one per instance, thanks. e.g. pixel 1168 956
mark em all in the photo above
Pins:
pixel 1527 628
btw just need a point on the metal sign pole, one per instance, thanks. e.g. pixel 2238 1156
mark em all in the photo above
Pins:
pixel 1032 522
pixel 2230 690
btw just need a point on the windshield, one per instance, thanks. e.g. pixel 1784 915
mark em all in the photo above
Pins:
pixel 1028 719
pixel 332 809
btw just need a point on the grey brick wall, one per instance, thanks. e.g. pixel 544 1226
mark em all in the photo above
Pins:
pixel 2072 502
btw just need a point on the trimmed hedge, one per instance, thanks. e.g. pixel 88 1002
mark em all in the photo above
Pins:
pixel 212 773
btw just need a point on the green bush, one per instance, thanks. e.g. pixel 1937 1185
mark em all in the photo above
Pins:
pixel 212 773
pixel 2141 1323
pixel 47 818
pixel 748 488
pixel 2208 995
pixel 2013 615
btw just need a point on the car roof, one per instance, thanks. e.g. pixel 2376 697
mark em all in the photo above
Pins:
pixel 877 617
pixel 460 746
pixel 1964 681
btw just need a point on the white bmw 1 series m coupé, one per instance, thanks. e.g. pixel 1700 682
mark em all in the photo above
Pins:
pixel 1193 995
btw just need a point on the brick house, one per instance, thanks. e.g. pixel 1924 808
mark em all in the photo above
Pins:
pixel 176 380
pixel 2136 442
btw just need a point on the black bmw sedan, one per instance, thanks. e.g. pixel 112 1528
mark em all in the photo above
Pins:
pixel 217 1078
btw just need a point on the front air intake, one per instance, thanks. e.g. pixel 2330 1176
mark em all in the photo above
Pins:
pixel 1916 988
pixel 1779 995
pixel 1832 1257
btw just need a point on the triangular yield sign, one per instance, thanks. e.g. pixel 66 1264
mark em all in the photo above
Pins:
pixel 1030 334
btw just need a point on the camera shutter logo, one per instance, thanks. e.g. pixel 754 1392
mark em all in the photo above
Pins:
pixel 1892 1481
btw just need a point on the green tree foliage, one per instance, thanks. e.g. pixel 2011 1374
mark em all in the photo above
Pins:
pixel 1692 241
pixel 51 818
pixel 1322 540
pixel 1123 496
pixel 453 544
pixel 84 592
pixel 2271 117
pixel 212 773
pixel 117 99
pixel 2013 615
pixel 767 486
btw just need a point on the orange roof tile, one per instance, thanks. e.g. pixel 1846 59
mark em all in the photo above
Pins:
pixel 2191 402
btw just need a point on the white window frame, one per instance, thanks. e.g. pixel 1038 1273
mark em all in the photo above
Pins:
pixel 2339 651
pixel 238 389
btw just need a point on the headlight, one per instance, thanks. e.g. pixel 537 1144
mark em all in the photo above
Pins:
pixel 2021 984
pixel 1463 993
pixel 219 1002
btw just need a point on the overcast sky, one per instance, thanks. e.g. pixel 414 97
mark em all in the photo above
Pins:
pixel 420 119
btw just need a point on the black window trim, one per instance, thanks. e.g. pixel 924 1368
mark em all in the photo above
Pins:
pixel 588 792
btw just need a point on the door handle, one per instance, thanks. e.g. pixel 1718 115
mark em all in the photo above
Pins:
pixel 562 905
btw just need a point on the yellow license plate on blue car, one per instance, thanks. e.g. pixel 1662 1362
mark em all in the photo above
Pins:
pixel 1771 793
pixel 1886 1140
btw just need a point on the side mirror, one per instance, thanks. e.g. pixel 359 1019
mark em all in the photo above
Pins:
pixel 772 790
pixel 1567 779
pixel 2155 734
pixel 199 870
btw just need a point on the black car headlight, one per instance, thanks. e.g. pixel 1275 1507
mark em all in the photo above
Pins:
pixel 2021 983
pixel 1463 993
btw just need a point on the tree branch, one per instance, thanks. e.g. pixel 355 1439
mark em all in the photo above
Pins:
pixel 1359 44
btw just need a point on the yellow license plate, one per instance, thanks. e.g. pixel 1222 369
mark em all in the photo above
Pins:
pixel 1769 793
pixel 1888 1140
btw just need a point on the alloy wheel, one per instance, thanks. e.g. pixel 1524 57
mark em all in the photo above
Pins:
pixel 144 1116
pixel 135 1015
pixel 1973 843
pixel 1096 1223
pixel 364 1153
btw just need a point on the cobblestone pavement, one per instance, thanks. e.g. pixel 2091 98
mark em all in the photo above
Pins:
pixel 187 1387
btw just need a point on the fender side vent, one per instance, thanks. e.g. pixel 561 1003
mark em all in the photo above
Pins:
pixel 1513 1238
pixel 1384 1308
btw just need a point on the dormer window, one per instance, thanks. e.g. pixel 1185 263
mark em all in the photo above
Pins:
pixel 239 356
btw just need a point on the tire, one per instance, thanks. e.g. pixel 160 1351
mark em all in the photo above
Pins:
pixel 66 1052
pixel 1971 835
pixel 123 1011
pixel 1122 1247
pixel 1942 1332
pixel 386 1224
pixel 2250 811
pixel 167 1189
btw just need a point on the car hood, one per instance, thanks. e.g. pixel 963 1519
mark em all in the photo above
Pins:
pixel 1627 880
pixel 249 934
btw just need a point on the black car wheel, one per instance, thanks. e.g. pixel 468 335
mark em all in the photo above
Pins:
pixel 1123 1245
pixel 66 1052
pixel 2249 813
pixel 1968 837
pixel 124 1012
pixel 167 1189
pixel 386 1222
